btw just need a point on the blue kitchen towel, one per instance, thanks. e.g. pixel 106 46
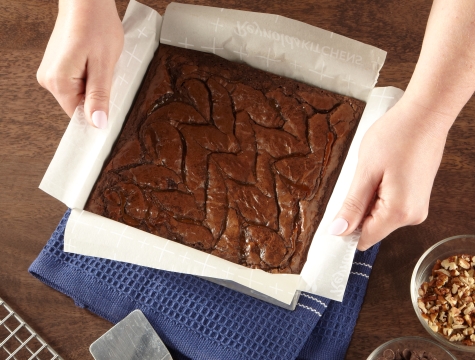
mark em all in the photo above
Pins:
pixel 200 320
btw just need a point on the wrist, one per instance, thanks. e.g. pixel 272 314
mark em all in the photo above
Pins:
pixel 424 117
pixel 83 6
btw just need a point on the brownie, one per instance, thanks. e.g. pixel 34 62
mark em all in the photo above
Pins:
pixel 227 159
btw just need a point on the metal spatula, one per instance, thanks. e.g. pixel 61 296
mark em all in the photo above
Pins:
pixel 133 338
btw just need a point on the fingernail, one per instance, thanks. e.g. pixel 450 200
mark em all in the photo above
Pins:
pixel 338 226
pixel 99 118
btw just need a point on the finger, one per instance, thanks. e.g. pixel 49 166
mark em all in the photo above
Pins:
pixel 387 216
pixel 376 226
pixel 98 87
pixel 354 208
pixel 69 101
pixel 67 90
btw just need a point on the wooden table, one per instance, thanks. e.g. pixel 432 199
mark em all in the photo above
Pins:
pixel 32 123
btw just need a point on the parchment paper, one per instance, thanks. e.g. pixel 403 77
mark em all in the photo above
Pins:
pixel 269 42
pixel 276 44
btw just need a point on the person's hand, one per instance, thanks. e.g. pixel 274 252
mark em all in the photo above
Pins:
pixel 79 60
pixel 397 163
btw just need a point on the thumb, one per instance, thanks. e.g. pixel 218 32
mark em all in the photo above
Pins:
pixel 356 203
pixel 98 87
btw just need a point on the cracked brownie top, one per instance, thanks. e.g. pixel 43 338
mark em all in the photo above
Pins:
pixel 228 159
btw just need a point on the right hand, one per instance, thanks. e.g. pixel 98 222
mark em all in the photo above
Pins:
pixel 79 60
pixel 397 163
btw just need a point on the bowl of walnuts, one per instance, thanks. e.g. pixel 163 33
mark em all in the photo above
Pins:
pixel 443 292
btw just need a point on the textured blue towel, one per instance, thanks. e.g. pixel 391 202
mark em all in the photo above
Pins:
pixel 200 320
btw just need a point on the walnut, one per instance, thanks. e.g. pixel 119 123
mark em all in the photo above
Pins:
pixel 451 300
pixel 457 337
pixel 442 280
pixel 455 288
pixel 445 264
pixel 454 273
pixel 469 331
pixel 429 298
pixel 454 311
pixel 443 316
pixel 468 319
pixel 464 263
pixel 467 299
pixel 447 331
pixel 468 310
pixel 422 306
pixel 442 271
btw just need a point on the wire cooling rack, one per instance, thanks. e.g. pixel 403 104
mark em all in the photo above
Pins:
pixel 18 341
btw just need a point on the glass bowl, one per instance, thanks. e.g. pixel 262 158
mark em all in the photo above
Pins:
pixel 460 244
pixel 413 343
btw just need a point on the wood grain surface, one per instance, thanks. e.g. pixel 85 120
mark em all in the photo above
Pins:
pixel 32 123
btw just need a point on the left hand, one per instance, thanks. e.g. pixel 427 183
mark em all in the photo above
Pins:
pixel 79 60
